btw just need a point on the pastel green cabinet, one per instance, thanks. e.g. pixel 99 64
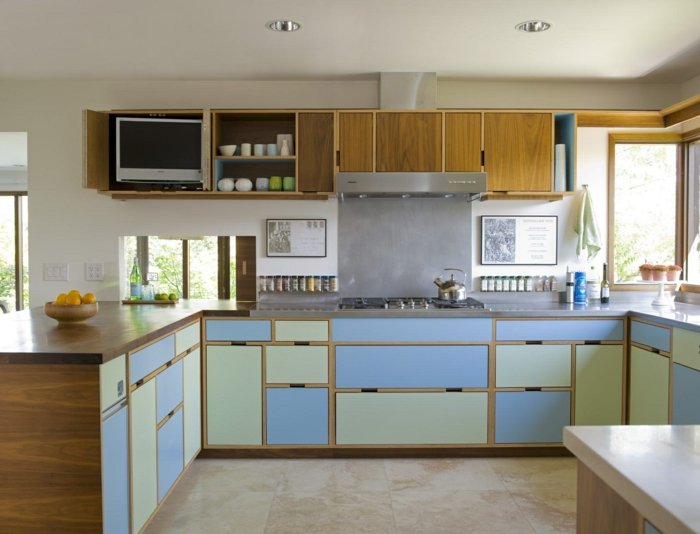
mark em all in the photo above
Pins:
pixel 193 404
pixel 112 382
pixel 144 454
pixel 649 373
pixel 533 366
pixel 599 385
pixel 186 338
pixel 686 348
pixel 301 330
pixel 411 418
pixel 234 395
pixel 296 365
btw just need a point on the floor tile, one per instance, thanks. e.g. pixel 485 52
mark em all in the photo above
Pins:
pixel 333 475
pixel 528 473
pixel 331 513
pixel 441 474
pixel 231 475
pixel 549 510
pixel 458 512
pixel 217 512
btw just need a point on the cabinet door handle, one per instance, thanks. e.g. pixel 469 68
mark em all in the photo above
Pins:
pixel 244 267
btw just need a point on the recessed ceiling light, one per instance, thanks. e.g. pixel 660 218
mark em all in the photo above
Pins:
pixel 283 25
pixel 533 26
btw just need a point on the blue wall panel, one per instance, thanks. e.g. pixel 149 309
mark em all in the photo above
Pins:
pixel 412 329
pixel 297 416
pixel 532 416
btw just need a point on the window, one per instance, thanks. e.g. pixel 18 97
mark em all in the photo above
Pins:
pixel 645 211
pixel 194 267
pixel 14 283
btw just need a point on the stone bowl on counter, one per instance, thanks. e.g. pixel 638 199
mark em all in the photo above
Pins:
pixel 70 313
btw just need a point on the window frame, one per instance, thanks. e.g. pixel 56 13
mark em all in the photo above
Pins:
pixel 19 217
pixel 681 198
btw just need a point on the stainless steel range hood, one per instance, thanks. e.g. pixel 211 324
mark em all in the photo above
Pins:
pixel 467 185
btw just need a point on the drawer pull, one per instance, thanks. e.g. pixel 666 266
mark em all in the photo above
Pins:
pixel 592 343
pixel 243 343
pixel 297 385
pixel 368 390
pixel 303 343
pixel 533 343
pixel 454 390
pixel 533 389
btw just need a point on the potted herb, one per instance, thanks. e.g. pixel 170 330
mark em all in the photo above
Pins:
pixel 659 272
pixel 645 271
pixel 674 272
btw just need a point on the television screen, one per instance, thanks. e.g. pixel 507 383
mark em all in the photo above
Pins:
pixel 159 150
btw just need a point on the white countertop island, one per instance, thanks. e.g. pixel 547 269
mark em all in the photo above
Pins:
pixel 655 469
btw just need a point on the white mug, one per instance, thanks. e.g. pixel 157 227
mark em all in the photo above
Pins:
pixel 259 150
pixel 245 149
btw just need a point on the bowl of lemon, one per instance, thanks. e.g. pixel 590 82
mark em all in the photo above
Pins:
pixel 72 307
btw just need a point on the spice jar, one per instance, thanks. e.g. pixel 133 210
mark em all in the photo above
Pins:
pixel 334 283
pixel 263 282
pixel 279 286
pixel 271 282
pixel 310 283
pixel 295 283
pixel 286 283
pixel 302 283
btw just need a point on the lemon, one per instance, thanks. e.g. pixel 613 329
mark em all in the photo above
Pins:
pixel 73 299
pixel 75 292
pixel 89 298
pixel 60 299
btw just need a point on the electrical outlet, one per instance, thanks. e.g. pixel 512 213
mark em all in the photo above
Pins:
pixel 56 272
pixel 94 272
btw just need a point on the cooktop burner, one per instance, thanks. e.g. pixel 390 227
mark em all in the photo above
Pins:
pixel 408 303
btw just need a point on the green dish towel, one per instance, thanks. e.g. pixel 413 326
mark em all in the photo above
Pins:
pixel 587 228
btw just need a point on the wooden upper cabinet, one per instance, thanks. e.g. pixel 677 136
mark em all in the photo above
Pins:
pixel 95 150
pixel 462 142
pixel 409 142
pixel 356 143
pixel 518 151
pixel 316 152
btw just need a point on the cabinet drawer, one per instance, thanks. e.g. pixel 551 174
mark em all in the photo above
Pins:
pixel 576 330
pixel 112 382
pixel 296 365
pixel 170 453
pixel 533 366
pixel 649 374
pixel 391 366
pixel 599 385
pixel 418 330
pixel 301 330
pixel 147 360
pixel 411 418
pixel 686 348
pixel 192 368
pixel 144 454
pixel 532 416
pixel 238 330
pixel 186 338
pixel 169 390
pixel 686 395
pixel 651 336
pixel 297 416
pixel 115 472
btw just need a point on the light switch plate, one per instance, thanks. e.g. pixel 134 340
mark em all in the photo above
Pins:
pixel 94 272
pixel 56 272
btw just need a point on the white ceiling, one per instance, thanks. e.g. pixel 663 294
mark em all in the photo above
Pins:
pixel 613 40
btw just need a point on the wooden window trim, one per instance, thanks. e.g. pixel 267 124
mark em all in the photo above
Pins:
pixel 19 253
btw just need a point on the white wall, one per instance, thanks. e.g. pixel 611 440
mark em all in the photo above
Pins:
pixel 70 224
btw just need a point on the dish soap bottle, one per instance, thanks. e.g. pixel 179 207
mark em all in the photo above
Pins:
pixel 593 285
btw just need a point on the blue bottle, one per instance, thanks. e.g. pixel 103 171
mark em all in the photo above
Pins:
pixel 580 287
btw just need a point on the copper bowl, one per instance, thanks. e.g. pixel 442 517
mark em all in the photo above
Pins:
pixel 70 313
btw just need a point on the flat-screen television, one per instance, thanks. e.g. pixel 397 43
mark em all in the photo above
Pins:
pixel 159 150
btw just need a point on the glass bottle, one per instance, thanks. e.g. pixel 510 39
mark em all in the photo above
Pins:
pixel 135 280
pixel 593 285
pixel 605 286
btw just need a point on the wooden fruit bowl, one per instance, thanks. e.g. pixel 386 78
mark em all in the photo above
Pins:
pixel 70 313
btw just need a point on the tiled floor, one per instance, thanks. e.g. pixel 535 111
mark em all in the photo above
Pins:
pixel 431 496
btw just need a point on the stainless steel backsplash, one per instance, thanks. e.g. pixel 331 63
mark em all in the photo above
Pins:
pixel 397 247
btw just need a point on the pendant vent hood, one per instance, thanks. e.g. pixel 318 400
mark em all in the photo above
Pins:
pixel 467 185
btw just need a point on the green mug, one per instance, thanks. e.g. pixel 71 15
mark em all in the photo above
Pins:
pixel 275 183
pixel 288 183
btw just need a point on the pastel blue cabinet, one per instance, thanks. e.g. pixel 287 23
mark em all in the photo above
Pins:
pixel 143 362
pixel 297 416
pixel 170 453
pixel 561 330
pixel 115 472
pixel 168 390
pixel 452 330
pixel 532 416
pixel 650 335
pixel 238 330
pixel 426 366
pixel 686 395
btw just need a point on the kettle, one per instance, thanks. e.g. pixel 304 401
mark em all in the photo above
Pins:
pixel 452 289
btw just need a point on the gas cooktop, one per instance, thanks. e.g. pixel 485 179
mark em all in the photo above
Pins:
pixel 408 303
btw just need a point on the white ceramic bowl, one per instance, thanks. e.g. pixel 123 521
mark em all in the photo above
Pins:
pixel 243 184
pixel 227 150
pixel 226 184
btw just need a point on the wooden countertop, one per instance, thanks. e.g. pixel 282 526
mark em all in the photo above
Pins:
pixel 31 337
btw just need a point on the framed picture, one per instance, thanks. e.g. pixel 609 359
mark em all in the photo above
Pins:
pixel 519 240
pixel 296 238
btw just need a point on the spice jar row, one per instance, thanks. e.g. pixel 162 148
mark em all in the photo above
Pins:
pixel 518 283
pixel 290 283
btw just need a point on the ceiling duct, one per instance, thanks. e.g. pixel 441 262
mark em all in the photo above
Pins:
pixel 408 90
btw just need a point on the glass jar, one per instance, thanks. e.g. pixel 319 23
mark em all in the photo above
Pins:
pixel 521 283
pixel 279 286
pixel 318 283
pixel 491 283
pixel 263 282
pixel 553 286
pixel 310 283
pixel 513 283
pixel 271 285
pixel 539 283
pixel 528 283
pixel 302 283
pixel 498 284
pixel 295 283
pixel 286 283
pixel 484 283
pixel 334 284
pixel 326 281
